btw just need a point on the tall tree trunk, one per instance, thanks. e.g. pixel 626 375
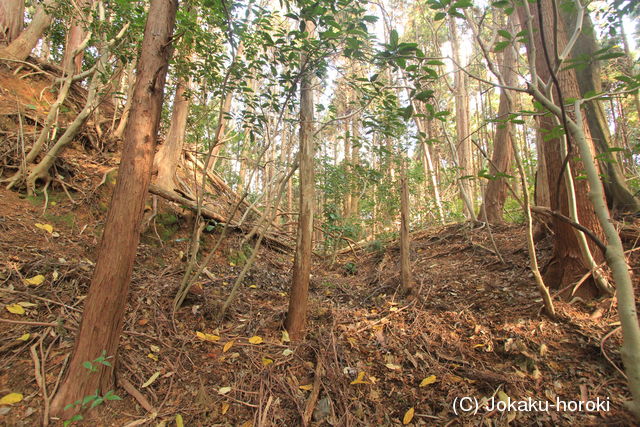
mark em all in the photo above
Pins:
pixel 226 108
pixel 405 238
pixel 297 313
pixel 542 177
pixel 21 47
pixel 463 144
pixel 11 20
pixel 346 213
pixel 168 156
pixel 75 36
pixel 568 261
pixel 103 313
pixel 355 162
pixel 618 193
pixel 496 191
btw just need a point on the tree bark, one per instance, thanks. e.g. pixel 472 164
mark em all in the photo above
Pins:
pixel 168 156
pixel 496 191
pixel 618 193
pixel 75 36
pixel 297 313
pixel 405 238
pixel 463 143
pixel 11 20
pixel 567 262
pixel 103 314
pixel 21 47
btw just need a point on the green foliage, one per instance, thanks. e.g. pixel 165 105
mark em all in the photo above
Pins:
pixel 350 268
pixel 92 400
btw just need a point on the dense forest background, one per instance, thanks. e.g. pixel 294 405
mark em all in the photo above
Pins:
pixel 318 212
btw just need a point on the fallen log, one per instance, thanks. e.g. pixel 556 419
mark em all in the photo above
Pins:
pixel 206 212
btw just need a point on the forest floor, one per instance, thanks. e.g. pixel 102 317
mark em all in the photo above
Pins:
pixel 474 328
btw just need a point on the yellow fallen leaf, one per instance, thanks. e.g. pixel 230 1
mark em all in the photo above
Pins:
pixel 393 367
pixel 225 408
pixel 285 336
pixel 154 348
pixel 266 361
pixel 408 416
pixel 224 390
pixel 35 280
pixel 179 421
pixel 207 337
pixel 247 424
pixel 287 352
pixel 45 227
pixel 504 397
pixel 227 346
pixel 24 337
pixel 11 398
pixel 26 304
pixel 359 379
pixel 306 387
pixel 253 286
pixel 15 309
pixel 429 380
pixel 151 379
pixel 256 340
pixel 152 356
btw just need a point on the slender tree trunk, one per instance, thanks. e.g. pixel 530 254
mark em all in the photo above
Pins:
pixel 75 36
pixel 355 162
pixel 124 117
pixel 463 144
pixel 542 177
pixel 567 262
pixel 21 47
pixel 496 191
pixel 405 237
pixel 226 108
pixel 296 316
pixel 168 156
pixel 103 314
pixel 346 213
pixel 11 20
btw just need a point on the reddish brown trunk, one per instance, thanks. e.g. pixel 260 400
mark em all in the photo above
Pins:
pixel 297 314
pixel 496 191
pixel 11 20
pixel 76 34
pixel 566 264
pixel 405 239
pixel 103 313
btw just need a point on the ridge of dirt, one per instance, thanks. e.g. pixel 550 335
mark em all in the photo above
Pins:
pixel 475 325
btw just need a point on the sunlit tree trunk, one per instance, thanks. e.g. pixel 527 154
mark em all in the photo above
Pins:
pixel 11 20
pixel 75 36
pixel 168 156
pixel 103 314
pixel 346 212
pixel 463 144
pixel 20 48
pixel 297 313
pixel 496 191
pixel 406 276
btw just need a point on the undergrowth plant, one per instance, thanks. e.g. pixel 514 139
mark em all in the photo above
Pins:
pixel 92 400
